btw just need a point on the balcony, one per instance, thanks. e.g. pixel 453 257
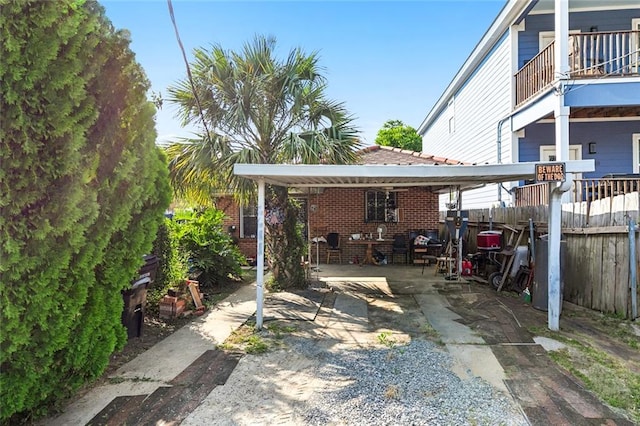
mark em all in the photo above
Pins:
pixel 583 190
pixel 591 55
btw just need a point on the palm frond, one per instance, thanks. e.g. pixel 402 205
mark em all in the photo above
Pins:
pixel 260 109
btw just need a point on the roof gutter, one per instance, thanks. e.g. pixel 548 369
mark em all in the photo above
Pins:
pixel 513 11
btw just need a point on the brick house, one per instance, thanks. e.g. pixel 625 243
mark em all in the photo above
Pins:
pixel 352 210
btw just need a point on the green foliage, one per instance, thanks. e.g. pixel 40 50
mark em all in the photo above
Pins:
pixel 206 248
pixel 171 270
pixel 259 109
pixel 82 189
pixel 397 134
pixel 386 338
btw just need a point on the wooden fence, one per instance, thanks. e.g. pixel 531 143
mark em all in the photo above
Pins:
pixel 597 271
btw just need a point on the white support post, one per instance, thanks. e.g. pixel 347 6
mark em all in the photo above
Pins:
pixel 260 257
pixel 561 45
pixel 633 268
pixel 561 59
pixel 553 261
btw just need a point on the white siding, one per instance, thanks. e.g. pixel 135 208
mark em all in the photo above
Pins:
pixel 479 106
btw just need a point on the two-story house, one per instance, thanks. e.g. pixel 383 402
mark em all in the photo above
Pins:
pixel 524 89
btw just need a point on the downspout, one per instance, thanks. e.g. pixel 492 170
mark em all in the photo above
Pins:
pixel 499 153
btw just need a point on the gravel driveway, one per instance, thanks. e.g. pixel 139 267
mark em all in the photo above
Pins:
pixel 351 365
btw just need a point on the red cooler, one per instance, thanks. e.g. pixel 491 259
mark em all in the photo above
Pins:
pixel 489 240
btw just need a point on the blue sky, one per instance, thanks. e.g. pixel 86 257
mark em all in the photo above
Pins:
pixel 384 60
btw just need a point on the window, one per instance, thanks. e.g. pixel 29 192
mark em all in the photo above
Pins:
pixel 451 114
pixel 381 206
pixel 249 221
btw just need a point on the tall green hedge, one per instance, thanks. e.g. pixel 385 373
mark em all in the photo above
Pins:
pixel 82 191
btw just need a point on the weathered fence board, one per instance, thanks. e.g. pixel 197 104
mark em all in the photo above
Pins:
pixel 608 287
pixel 621 293
pixel 618 212
pixel 577 286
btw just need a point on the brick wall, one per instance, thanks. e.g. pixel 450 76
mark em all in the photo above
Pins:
pixel 232 218
pixel 342 210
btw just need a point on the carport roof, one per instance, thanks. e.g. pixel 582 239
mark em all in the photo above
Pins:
pixel 376 175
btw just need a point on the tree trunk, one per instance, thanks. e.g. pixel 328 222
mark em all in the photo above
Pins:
pixel 284 247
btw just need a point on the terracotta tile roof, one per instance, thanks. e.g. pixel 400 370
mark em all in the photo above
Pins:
pixel 377 154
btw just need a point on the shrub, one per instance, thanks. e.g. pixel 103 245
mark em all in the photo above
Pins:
pixel 170 269
pixel 82 191
pixel 209 251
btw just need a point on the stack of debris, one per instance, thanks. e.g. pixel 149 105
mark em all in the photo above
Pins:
pixel 175 302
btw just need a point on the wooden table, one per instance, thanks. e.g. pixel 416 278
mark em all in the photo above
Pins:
pixel 368 255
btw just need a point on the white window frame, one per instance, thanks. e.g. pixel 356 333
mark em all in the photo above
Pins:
pixel 451 114
pixel 575 153
pixel 576 150
pixel 546 37
pixel 636 152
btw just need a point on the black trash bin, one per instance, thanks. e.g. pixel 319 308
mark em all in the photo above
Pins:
pixel 540 289
pixel 149 269
pixel 135 299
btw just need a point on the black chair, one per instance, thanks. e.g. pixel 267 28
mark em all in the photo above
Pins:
pixel 333 246
pixel 400 247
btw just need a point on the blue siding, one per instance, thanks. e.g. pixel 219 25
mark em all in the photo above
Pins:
pixel 617 93
pixel 613 141
pixel 610 20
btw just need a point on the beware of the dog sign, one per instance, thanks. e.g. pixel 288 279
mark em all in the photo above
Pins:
pixel 550 172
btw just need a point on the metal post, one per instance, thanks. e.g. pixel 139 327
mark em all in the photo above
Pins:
pixel 553 259
pixel 561 114
pixel 633 265
pixel 260 272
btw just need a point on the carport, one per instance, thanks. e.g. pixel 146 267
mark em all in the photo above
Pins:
pixel 438 176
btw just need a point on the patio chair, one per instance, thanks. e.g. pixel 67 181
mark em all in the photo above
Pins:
pixel 400 247
pixel 333 246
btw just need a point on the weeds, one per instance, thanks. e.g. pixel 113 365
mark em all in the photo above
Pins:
pixel 279 330
pixel 385 338
pixel 248 339
pixel 431 333
pixel 392 392
pixel 255 345
pixel 600 372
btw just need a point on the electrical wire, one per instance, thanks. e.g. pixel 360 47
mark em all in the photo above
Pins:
pixel 601 76
pixel 189 75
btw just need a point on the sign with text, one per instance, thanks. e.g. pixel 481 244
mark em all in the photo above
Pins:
pixel 550 172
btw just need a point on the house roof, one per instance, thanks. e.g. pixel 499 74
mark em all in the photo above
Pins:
pixel 381 155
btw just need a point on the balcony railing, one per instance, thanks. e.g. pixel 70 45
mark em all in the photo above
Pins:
pixel 535 76
pixel 536 194
pixel 591 55
pixel 583 190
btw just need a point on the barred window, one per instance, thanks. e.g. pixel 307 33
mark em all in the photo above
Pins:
pixel 381 206
pixel 249 221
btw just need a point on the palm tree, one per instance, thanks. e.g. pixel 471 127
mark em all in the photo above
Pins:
pixel 252 108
